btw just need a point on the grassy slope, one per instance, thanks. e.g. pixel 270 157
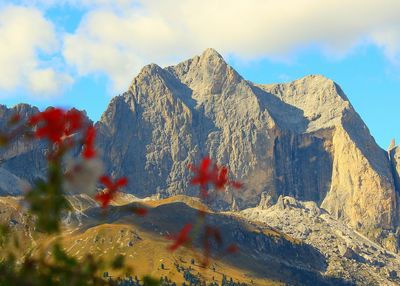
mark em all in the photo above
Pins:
pixel 145 252
pixel 266 257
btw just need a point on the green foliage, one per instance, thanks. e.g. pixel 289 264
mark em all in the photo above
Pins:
pixel 4 235
pixel 47 201
pixel 150 281
pixel 59 269
pixel 118 262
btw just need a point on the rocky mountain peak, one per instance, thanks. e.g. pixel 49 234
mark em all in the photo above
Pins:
pixel 207 73
pixel 23 109
pixel 301 139
pixel 150 69
pixel 392 145
pixel 320 100
pixel 211 54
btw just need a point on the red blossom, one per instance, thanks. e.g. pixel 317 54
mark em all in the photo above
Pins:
pixel 182 237
pixel 140 211
pixel 210 233
pixel 221 178
pixel 203 175
pixel 216 234
pixel 88 148
pixel 236 185
pixel 232 248
pixel 104 198
pixel 73 121
pixel 106 181
pixel 55 123
pixel 108 194
pixel 208 173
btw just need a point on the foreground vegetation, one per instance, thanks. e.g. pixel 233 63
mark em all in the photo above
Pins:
pixel 66 132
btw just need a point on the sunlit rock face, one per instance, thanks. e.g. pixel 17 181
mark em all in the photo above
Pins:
pixel 301 139
pixel 360 188
pixel 394 154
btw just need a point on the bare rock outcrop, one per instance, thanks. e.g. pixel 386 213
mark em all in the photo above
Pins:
pixel 301 139
pixel 22 160
pixel 348 254
pixel 394 155
pixel 25 159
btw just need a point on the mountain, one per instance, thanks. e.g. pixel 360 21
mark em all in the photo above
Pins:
pixel 25 159
pixel 301 139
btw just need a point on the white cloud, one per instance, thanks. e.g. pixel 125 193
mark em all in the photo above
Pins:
pixel 47 81
pixel 389 40
pixel 118 46
pixel 45 4
pixel 24 32
pixel 119 43
pixel 257 28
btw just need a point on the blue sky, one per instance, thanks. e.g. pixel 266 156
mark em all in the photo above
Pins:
pixel 81 53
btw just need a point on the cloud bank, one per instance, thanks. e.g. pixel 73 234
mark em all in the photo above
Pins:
pixel 24 33
pixel 117 38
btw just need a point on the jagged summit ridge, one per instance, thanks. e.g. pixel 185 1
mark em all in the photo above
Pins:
pixel 321 100
pixel 206 74
pixel 301 139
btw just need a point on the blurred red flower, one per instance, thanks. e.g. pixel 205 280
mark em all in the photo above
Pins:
pixel 105 197
pixel 182 237
pixel 233 248
pixel 210 233
pixel 88 147
pixel 209 173
pixel 55 123
pixel 140 211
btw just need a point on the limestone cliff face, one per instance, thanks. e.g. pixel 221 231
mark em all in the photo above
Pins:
pixel 174 116
pixel 302 139
pixel 25 159
pixel 359 183
pixel 394 154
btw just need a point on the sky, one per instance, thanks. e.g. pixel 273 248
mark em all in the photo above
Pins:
pixel 81 53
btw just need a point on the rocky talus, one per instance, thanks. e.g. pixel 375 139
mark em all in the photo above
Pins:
pixel 349 254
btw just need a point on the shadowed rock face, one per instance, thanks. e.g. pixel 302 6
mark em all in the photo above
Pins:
pixel 394 154
pixel 23 160
pixel 264 252
pixel 302 139
pixel 303 167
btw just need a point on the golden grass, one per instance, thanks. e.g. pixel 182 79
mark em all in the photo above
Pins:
pixel 145 252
